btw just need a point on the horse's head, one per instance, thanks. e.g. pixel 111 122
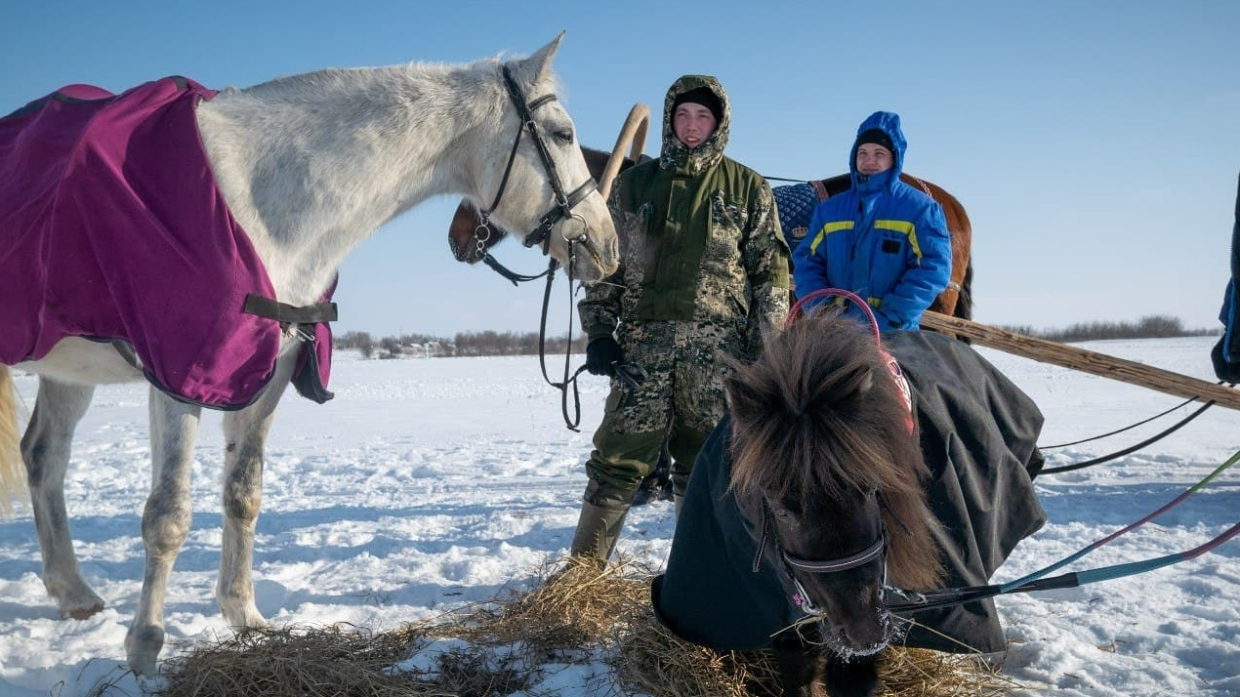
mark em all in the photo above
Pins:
pixel 534 178
pixel 469 239
pixel 823 463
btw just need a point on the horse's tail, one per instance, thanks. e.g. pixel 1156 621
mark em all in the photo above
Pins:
pixel 12 471
pixel 964 306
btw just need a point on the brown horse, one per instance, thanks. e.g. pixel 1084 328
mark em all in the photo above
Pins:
pixel 796 205
pixel 470 240
pixel 816 498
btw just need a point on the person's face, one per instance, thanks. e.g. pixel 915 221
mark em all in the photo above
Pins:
pixel 693 124
pixel 873 158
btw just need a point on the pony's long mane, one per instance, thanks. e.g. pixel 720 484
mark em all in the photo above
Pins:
pixel 818 416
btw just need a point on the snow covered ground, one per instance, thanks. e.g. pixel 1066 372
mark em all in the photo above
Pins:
pixel 427 484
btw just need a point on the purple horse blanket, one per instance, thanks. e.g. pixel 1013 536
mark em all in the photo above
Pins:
pixel 112 228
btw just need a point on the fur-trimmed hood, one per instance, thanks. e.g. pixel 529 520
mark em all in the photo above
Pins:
pixel 675 154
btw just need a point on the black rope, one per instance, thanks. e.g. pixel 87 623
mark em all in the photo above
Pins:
pixel 1121 430
pixel 1153 439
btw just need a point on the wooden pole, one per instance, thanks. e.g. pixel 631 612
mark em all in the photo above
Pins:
pixel 1091 362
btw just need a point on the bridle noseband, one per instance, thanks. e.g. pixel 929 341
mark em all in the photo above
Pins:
pixel 832 566
pixel 564 204
pixel 875 552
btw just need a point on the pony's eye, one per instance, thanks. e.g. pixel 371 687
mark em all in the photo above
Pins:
pixel 565 135
pixel 781 511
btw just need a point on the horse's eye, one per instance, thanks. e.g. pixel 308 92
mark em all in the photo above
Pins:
pixel 779 510
pixel 565 136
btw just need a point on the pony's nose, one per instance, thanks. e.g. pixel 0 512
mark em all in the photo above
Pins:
pixel 862 629
pixel 864 638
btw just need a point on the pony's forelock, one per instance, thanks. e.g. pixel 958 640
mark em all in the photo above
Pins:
pixel 817 416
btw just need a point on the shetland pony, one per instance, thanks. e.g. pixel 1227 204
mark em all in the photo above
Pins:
pixel 825 490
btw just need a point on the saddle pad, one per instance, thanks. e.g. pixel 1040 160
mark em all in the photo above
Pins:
pixel 795 204
pixel 112 228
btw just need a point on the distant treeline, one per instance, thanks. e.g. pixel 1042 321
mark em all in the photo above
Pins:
pixel 1150 327
pixel 490 343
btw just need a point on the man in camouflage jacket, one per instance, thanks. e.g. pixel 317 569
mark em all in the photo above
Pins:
pixel 703 274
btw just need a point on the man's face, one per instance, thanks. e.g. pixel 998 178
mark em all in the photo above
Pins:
pixel 693 124
pixel 873 158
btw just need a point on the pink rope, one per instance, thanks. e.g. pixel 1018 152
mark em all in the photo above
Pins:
pixel 836 293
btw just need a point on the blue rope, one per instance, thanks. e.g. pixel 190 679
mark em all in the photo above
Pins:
pixel 1012 585
pixel 1108 573
pixel 1036 582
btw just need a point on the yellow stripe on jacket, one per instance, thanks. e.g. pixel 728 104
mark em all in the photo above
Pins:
pixel 903 227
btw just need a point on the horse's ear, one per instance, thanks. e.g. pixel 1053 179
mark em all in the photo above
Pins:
pixel 859 380
pixel 529 70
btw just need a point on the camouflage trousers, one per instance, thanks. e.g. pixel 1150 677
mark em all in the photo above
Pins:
pixel 680 401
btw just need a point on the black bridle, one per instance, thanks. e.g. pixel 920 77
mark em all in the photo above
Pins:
pixel 564 203
pixel 541 235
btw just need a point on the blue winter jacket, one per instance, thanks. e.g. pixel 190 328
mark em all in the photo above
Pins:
pixel 882 239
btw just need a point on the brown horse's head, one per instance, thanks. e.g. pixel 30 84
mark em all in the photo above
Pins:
pixel 469 239
pixel 820 447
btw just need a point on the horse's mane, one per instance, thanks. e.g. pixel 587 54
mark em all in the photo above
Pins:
pixel 818 416
pixel 403 83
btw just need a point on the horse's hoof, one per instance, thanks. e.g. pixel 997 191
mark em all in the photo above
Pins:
pixel 243 615
pixel 80 604
pixel 84 613
pixel 142 647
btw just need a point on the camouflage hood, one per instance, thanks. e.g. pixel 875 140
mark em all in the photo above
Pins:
pixel 675 154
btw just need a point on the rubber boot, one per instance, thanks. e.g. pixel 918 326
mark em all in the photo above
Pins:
pixel 603 510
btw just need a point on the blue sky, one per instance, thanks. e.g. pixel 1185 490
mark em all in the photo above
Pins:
pixel 1094 144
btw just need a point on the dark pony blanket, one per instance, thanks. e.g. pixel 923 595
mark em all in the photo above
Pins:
pixel 112 228
pixel 979 437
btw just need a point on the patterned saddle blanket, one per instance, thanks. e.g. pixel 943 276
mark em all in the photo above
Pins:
pixel 112 229
pixel 795 204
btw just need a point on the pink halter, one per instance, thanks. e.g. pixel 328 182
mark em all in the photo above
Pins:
pixel 896 373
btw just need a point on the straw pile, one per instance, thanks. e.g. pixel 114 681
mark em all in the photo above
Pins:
pixel 578 613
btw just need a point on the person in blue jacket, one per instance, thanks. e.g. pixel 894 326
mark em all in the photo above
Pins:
pixel 1226 353
pixel 882 239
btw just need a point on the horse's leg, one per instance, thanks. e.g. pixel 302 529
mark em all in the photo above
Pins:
pixel 45 449
pixel 800 667
pixel 12 471
pixel 855 676
pixel 165 522
pixel 245 432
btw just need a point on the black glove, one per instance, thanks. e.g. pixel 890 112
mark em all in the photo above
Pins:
pixel 1227 372
pixel 602 353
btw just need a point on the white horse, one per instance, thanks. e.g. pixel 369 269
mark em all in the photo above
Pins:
pixel 369 143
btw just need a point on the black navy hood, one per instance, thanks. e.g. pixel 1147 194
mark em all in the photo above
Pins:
pixel 889 123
